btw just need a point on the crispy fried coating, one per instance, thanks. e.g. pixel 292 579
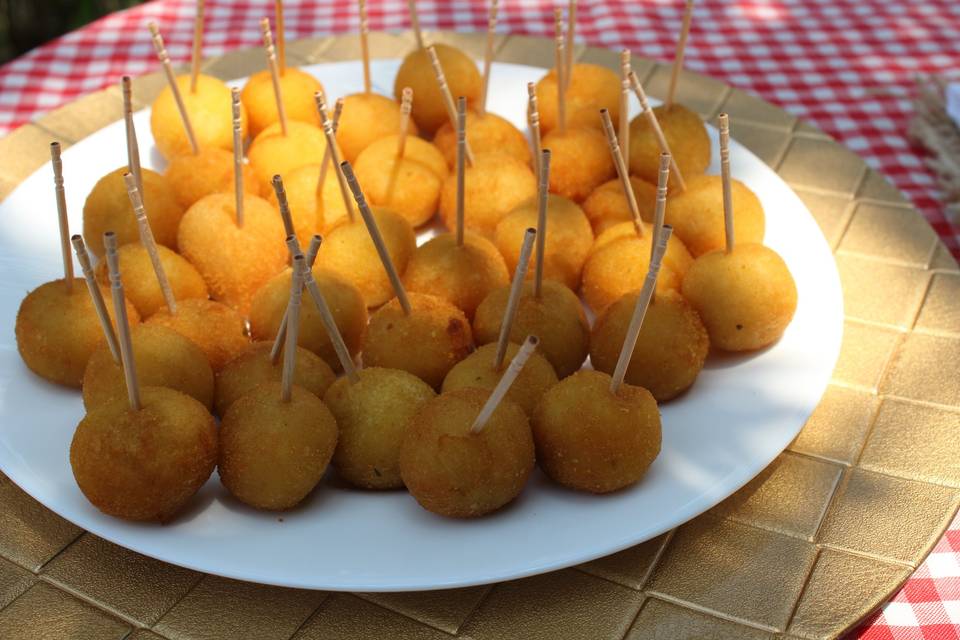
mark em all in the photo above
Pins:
pixel 607 205
pixel 579 162
pixel 366 118
pixel 477 371
pixel 210 112
pixel 697 215
pixel 685 134
pixel 619 267
pixel 416 72
pixel 485 134
pixel 216 328
pixel 192 177
pixel 409 185
pixel 592 88
pixel 296 87
pixel 272 153
pixel 495 185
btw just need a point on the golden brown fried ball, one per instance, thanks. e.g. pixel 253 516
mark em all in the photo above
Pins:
pixel 685 134
pixel 345 302
pixel 140 283
pixel 455 473
pixel 556 317
pixel 234 261
pixel 273 453
pixel 163 358
pixel 676 256
pixel 308 209
pixel 366 118
pixel 592 88
pixel 253 367
pixel 746 298
pixel 272 153
pixel 493 186
pixel 416 72
pixel 57 332
pixel 296 88
pixel 144 465
pixel 590 439
pixel 670 350
pixel 427 343
pixel 462 275
pixel 619 267
pixel 192 177
pixel 567 243
pixel 210 112
pixel 477 371
pixel 108 209
pixel 216 328
pixel 349 251
pixel 697 215
pixel 607 204
pixel 485 134
pixel 372 415
pixel 405 185
pixel 579 162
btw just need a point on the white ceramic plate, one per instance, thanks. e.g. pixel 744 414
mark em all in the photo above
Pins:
pixel 740 414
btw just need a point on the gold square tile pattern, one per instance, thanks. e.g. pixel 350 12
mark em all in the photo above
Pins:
pixel 821 164
pixel 841 589
pixel 222 609
pixel 611 59
pixel 942 260
pixel 133 585
pixel 745 107
pixel 46 613
pixel 13 581
pixel 887 517
pixel 569 604
pixel 244 62
pixel 940 312
pixel 864 354
pixel 915 441
pixel 809 130
pixel 143 634
pixel 831 211
pixel 838 426
pixel 630 567
pixel 659 620
pixel 535 52
pixel 876 187
pixel 790 496
pixel 29 533
pixel 80 118
pixel 924 368
pixel 445 610
pixel 896 234
pixel 767 143
pixel 473 44
pixel 695 91
pixel 24 150
pixel 725 566
pixel 346 617
pixel 881 292
pixel 382 45
pixel 145 89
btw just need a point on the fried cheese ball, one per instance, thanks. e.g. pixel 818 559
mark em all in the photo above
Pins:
pixel 592 88
pixel 372 416
pixel 273 453
pixel 272 153
pixel 163 357
pixel 216 328
pixel 463 275
pixel 210 113
pixel 253 367
pixel 495 185
pixel 108 208
pixel 607 205
pixel 140 284
pixel 671 347
pixel 296 88
pixel 192 177
pixel 697 215
pixel 144 465
pixel 409 185
pixel 477 371
pixel 416 72
pixel 580 161
pixel 556 317
pixel 366 118
pixel 676 256
pixel 568 241
pixel 345 302
pixel 486 133
pixel 311 212
pixel 590 439
pixel 427 343
pixel 455 473
pixel 234 261
pixel 746 298
pixel 685 134
pixel 619 267
pixel 349 251
pixel 58 331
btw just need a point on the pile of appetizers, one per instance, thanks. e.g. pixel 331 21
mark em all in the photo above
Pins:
pixel 251 280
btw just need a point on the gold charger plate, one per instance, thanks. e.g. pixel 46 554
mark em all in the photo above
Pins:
pixel 806 550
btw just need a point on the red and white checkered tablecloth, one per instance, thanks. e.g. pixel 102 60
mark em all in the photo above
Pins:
pixel 848 66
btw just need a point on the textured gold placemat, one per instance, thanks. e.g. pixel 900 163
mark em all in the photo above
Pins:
pixel 805 550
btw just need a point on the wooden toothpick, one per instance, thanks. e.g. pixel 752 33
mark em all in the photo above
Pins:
pixel 237 156
pixel 488 57
pixel 533 120
pixel 274 73
pixel 622 171
pixel 330 134
pixel 148 242
pixel 661 205
pixel 560 64
pixel 415 22
pixel 725 179
pixel 506 380
pixel 294 247
pixel 406 106
pixel 293 330
pixel 325 163
pixel 571 30
pixel 542 199
pixel 678 57
pixel 513 301
pixel 461 155
pixel 283 206
pixel 197 52
pixel 639 311
pixel 365 47
pixel 123 324
pixel 377 238
pixel 281 37
pixel 133 148
pixel 651 117
pixel 164 57
pixel 624 138
pixel 447 96
pixel 62 216
pixel 96 296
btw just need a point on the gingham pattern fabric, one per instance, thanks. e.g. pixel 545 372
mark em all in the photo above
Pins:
pixel 848 66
